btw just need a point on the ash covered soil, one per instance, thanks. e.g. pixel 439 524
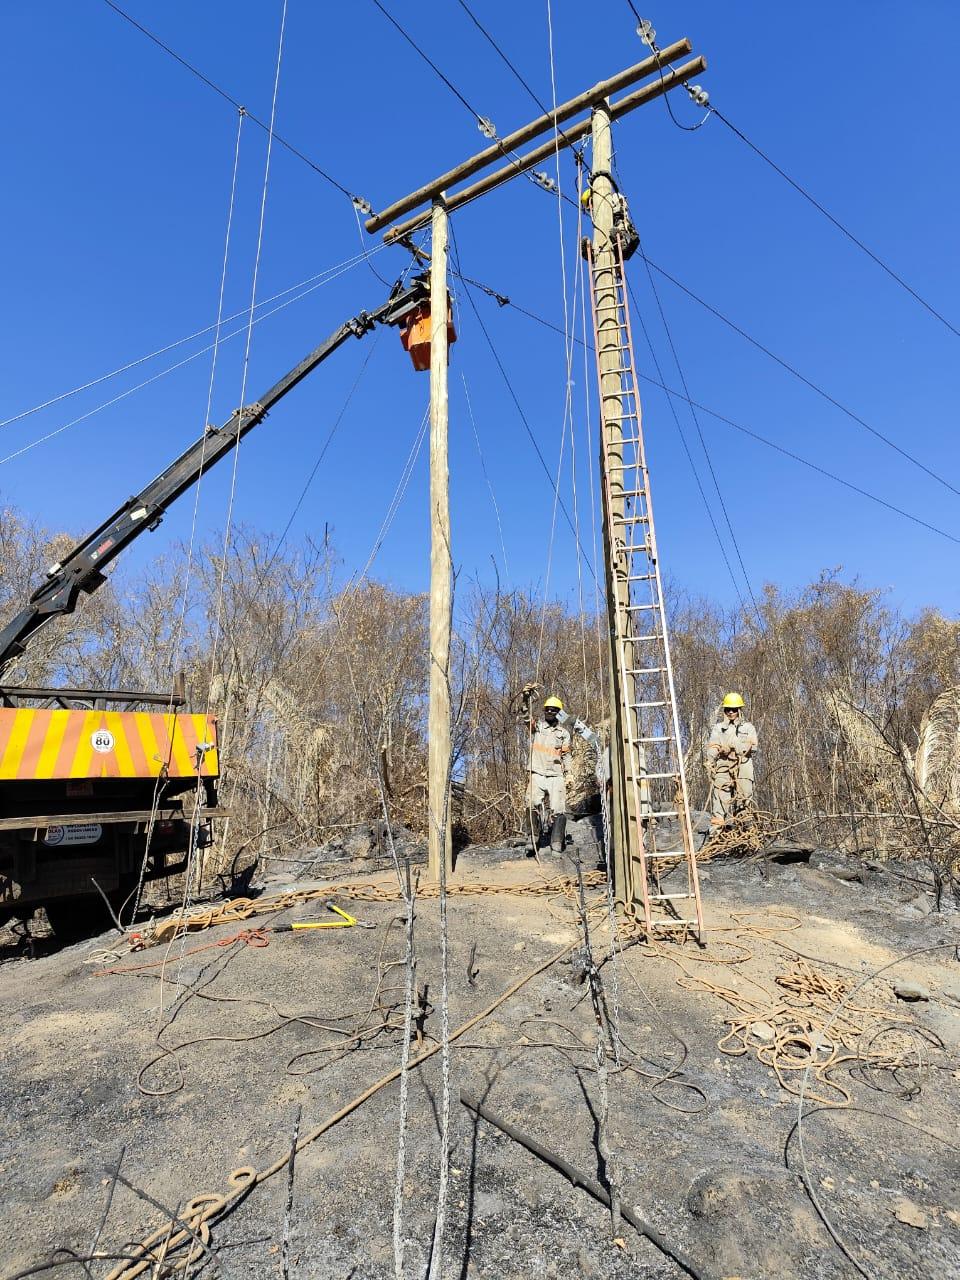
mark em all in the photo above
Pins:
pixel 703 1142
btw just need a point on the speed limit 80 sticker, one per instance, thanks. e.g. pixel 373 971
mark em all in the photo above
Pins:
pixel 102 741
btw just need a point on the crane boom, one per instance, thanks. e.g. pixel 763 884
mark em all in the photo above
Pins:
pixel 82 570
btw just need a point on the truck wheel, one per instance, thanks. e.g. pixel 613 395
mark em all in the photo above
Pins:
pixel 79 917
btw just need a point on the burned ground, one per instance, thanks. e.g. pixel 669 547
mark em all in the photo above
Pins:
pixel 709 1155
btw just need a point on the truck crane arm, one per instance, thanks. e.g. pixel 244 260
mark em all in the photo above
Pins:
pixel 82 570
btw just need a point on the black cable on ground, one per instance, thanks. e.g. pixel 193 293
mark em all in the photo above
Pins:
pixel 585 1183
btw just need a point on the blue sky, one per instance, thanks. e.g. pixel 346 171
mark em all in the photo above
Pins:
pixel 118 166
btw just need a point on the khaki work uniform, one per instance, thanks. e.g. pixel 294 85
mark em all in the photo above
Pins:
pixel 548 767
pixel 730 760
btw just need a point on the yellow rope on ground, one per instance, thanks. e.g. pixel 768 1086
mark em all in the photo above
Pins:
pixel 237 909
pixel 787 1033
pixel 748 832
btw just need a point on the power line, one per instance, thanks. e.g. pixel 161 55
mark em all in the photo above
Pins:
pixel 523 417
pixel 229 98
pixel 801 190
pixel 490 40
pixel 646 33
pixel 320 276
pixel 884 266
pixel 714 413
pixel 512 66
pixel 428 60
pixel 693 466
pixel 837 404
pixel 772 444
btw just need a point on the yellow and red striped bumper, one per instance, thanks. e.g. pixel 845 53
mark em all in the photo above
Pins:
pixel 36 745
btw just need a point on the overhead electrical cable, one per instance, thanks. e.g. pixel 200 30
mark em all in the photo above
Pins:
pixel 486 476
pixel 176 648
pixel 874 257
pixel 427 59
pixel 594 523
pixel 700 436
pixel 808 382
pixel 321 277
pixel 714 413
pixel 178 365
pixel 176 654
pixel 707 506
pixel 500 53
pixel 796 457
pixel 189 877
pixel 230 98
pixel 524 420
pixel 647 34
pixel 567 358
pixel 245 368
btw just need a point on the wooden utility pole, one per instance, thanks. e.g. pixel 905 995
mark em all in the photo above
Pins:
pixel 566 131
pixel 441 562
pixel 610 343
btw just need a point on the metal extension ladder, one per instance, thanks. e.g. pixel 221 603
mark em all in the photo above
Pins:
pixel 661 860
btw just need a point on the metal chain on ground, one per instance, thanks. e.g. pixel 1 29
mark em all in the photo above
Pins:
pixel 236 910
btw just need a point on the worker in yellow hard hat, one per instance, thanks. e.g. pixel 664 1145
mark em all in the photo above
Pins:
pixel 729 760
pixel 549 767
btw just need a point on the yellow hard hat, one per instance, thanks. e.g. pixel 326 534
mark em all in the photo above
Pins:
pixel 585 197
pixel 553 702
pixel 732 700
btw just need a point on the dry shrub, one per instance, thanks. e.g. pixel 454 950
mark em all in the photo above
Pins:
pixel 321 692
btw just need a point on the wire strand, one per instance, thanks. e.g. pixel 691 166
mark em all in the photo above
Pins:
pixel 195 71
pixel 808 382
pixel 844 230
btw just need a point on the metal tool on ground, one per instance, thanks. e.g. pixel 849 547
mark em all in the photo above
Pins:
pixel 650 789
pixel 346 921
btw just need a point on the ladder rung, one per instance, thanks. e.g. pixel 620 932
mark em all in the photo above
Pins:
pixel 640 577
pixel 671 853
pixel 635 608
pixel 656 635
pixel 667 897
pixel 664 703
pixel 645 671
pixel 671 924
pixel 665 813
pixel 655 777
pixel 662 738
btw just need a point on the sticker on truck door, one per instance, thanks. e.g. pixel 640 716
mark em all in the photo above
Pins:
pixel 86 833
pixel 102 741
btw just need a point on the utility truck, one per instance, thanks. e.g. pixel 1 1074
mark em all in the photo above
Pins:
pixel 102 790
